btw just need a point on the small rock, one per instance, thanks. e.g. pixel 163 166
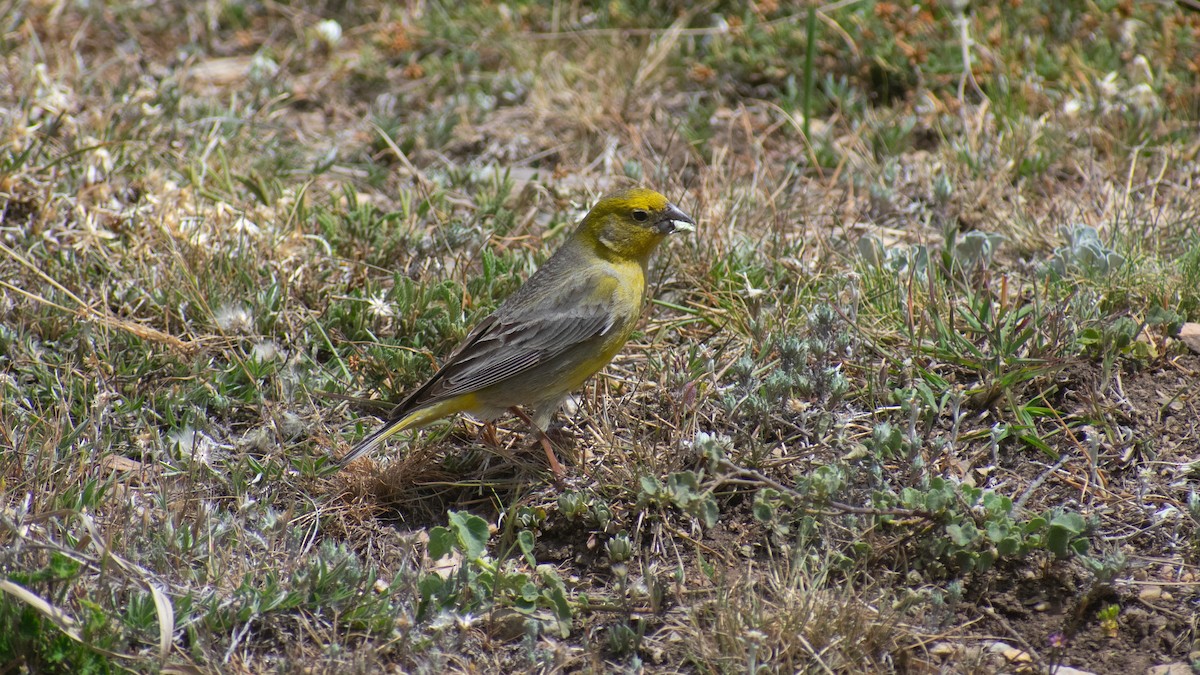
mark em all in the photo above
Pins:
pixel 1150 593
pixel 292 425
pixel 971 654
pixel 657 654
pixel 1017 656
pixel 1011 654
pixel 1189 334
pixel 120 463
pixel 1068 670
pixel 943 649
pixel 1171 669
pixel 997 647
pixel 506 625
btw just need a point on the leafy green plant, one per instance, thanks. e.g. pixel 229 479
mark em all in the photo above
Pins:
pixel 480 583
pixel 981 526
pixel 1084 253
pixel 804 367
pixel 977 249
pixel 1114 341
pixel 1108 617
pixel 894 261
pixel 683 491
pixel 585 506
pixel 33 633
pixel 195 273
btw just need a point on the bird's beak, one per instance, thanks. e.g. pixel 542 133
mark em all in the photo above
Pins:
pixel 673 220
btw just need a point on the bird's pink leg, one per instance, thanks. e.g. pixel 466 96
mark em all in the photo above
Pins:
pixel 555 467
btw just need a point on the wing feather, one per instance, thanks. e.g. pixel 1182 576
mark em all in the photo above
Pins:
pixel 519 337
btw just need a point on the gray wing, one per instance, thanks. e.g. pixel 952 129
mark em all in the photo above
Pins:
pixel 514 340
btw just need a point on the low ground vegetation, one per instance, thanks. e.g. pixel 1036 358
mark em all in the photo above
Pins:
pixel 912 400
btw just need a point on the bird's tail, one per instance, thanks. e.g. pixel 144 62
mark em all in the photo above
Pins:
pixel 413 419
pixel 373 441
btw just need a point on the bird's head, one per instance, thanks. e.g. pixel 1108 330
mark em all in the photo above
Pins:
pixel 630 223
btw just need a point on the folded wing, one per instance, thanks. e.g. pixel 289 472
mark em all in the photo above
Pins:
pixel 512 341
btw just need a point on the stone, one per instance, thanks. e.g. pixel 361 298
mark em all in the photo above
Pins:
pixel 1150 593
pixel 943 649
pixel 1171 669
pixel 1189 334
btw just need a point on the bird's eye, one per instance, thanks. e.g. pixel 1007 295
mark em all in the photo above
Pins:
pixel 640 215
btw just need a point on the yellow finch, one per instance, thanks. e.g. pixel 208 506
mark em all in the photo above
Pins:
pixel 567 322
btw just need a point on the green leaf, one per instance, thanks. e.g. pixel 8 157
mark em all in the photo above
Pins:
pixel 525 541
pixel 63 568
pixel 440 543
pixel 1057 540
pixel 431 584
pixel 972 495
pixel 650 485
pixel 1008 546
pixel 1039 444
pixel 1064 530
pixel 683 485
pixel 1158 316
pixel 709 512
pixel 1090 336
pixel 1069 521
pixel 557 594
pixel 998 504
pixel 764 511
pixel 472 533
pixel 935 501
pixel 962 535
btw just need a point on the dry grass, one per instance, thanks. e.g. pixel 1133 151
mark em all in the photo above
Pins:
pixel 853 434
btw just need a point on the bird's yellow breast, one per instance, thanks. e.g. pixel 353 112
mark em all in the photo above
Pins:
pixel 625 288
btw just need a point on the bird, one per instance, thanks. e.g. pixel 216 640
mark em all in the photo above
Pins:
pixel 563 325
